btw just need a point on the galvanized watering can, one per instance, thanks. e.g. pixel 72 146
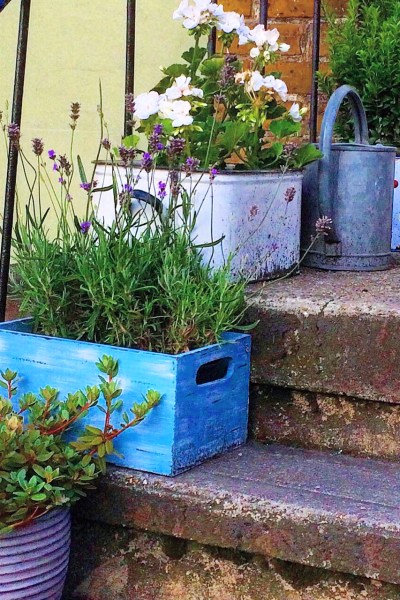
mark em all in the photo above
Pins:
pixel 353 186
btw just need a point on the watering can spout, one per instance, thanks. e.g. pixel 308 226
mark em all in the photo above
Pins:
pixel 352 185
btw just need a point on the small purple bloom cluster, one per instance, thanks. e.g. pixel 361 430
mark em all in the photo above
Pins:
pixel 88 186
pixel 228 72
pixel 37 146
pixel 162 190
pixel 213 174
pixel 127 155
pixel 155 143
pixel 14 134
pixel 176 147
pixel 147 162
pixel 190 165
pixel 130 103
pixel 85 226
pixel 106 144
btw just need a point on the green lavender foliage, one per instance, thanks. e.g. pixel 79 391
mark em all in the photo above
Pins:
pixel 364 51
pixel 151 292
pixel 41 468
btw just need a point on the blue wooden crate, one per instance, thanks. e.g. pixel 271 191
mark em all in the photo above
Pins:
pixel 204 407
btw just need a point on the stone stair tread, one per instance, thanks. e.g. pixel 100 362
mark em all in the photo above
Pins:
pixel 315 508
pixel 330 332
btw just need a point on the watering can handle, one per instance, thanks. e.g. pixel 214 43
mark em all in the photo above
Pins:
pixel 325 144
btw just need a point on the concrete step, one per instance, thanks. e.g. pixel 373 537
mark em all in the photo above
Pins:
pixel 315 508
pixel 325 422
pixel 330 333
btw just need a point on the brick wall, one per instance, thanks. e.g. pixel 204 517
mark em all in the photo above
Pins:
pixel 294 19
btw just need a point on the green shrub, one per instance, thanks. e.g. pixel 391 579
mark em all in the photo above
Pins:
pixel 364 51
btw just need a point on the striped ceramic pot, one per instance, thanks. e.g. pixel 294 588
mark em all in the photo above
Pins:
pixel 34 559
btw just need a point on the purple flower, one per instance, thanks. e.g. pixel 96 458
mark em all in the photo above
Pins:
pixel 37 146
pixel 127 155
pixel 52 155
pixel 75 113
pixel 14 134
pixel 88 186
pixel 130 103
pixel 213 174
pixel 155 144
pixel 106 144
pixel 162 187
pixel 62 180
pixel 323 225
pixel 55 167
pixel 65 165
pixel 128 188
pixel 85 226
pixel 176 147
pixel 147 162
pixel 191 164
pixel 290 194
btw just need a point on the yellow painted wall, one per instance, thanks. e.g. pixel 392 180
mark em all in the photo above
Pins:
pixel 72 45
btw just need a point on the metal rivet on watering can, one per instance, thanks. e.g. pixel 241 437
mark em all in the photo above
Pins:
pixel 352 185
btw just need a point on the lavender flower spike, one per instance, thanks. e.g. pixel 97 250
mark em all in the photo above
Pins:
pixel 37 146
pixel 85 226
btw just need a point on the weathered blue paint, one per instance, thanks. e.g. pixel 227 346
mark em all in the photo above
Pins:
pixel 192 422
pixel 34 559
pixel 353 185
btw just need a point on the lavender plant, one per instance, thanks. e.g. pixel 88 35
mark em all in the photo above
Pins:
pixel 42 469
pixel 140 282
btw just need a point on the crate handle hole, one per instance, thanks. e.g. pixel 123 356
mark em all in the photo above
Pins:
pixel 213 371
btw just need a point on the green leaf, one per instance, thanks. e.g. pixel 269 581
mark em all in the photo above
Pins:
pixel 176 70
pixel 306 154
pixel 130 141
pixel 282 128
pixel 234 132
pixel 212 67
pixel 81 168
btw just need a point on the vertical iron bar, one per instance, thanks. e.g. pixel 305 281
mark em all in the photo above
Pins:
pixel 130 56
pixel 12 163
pixel 264 13
pixel 315 67
pixel 212 40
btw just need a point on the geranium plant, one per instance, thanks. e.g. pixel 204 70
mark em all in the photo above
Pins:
pixel 221 107
pixel 41 467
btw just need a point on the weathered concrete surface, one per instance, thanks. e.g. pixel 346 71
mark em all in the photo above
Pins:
pixel 110 563
pixel 320 421
pixel 330 333
pixel 315 508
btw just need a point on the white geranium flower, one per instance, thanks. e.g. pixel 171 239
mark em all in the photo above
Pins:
pixel 272 36
pixel 255 52
pixel 177 111
pixel 284 47
pixel 243 31
pixel 295 113
pixel 269 81
pixel 182 87
pixel 216 10
pixel 258 35
pixel 256 81
pixel 280 88
pixel 179 13
pixel 229 21
pixel 146 105
pixel 201 12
